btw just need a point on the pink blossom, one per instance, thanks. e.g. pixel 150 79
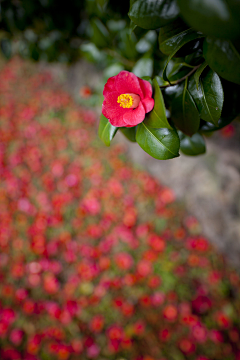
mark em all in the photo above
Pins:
pixel 127 99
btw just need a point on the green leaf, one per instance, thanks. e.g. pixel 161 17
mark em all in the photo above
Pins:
pixel 171 46
pixel 199 71
pixel 160 81
pixel 218 18
pixel 143 67
pixel 100 35
pixel 196 58
pixel 106 131
pixel 222 57
pixel 162 144
pixel 175 27
pixel 209 127
pixel 176 70
pixel 132 27
pixel 231 105
pixel 192 146
pixel 157 117
pixel 184 112
pixel 130 133
pixel 209 96
pixel 149 14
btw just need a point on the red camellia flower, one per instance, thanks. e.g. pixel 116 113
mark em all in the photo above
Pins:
pixel 127 99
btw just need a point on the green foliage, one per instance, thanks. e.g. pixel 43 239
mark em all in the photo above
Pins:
pixel 106 131
pixel 223 57
pixel 173 45
pixel 157 117
pixel 130 133
pixel 161 143
pixel 208 97
pixel 215 18
pixel 195 71
pixel 150 14
pixel 189 47
pixel 184 111
pixel 192 146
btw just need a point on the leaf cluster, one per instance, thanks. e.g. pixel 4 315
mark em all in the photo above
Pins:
pixel 197 80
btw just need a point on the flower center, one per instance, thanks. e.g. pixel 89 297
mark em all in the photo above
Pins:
pixel 125 100
pixel 129 101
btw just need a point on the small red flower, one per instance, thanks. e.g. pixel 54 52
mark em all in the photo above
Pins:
pixel 127 99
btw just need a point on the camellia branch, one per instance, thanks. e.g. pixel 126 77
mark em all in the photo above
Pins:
pixel 183 78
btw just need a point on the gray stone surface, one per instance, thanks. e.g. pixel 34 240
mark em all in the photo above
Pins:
pixel 209 184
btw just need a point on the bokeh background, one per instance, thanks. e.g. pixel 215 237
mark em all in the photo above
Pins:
pixel 105 253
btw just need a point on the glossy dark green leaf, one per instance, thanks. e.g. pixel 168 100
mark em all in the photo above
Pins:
pixel 152 14
pixel 169 94
pixel 192 146
pixel 231 107
pixel 199 71
pixel 162 144
pixel 160 81
pixel 184 112
pixel 208 97
pixel 130 133
pixel 195 58
pixel 222 57
pixel 218 18
pixel 157 117
pixel 175 27
pixel 171 46
pixel 176 70
pixel 106 131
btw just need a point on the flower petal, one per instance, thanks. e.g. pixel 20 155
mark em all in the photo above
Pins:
pixel 112 110
pixel 148 104
pixel 146 88
pixel 134 116
pixel 126 82
pixel 109 86
pixel 118 121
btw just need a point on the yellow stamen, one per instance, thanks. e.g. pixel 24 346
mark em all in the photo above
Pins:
pixel 125 100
